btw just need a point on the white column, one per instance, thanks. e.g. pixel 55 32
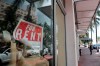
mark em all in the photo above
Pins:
pixel 71 34
pixel 77 46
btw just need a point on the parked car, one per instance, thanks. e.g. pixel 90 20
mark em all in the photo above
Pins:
pixel 31 52
pixel 5 55
pixel 95 46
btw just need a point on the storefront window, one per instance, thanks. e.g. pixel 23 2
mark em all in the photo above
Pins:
pixel 29 25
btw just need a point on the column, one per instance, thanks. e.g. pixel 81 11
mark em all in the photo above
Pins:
pixel 70 34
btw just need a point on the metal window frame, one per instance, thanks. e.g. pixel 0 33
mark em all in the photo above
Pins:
pixel 60 4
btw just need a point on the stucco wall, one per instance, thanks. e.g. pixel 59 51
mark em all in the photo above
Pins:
pixel 71 34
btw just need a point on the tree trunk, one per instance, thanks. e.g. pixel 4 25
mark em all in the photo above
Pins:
pixel 91 32
pixel 96 32
pixel 95 23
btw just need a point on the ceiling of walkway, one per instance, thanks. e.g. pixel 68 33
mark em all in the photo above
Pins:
pixel 85 11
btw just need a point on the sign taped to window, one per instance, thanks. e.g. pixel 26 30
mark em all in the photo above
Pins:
pixel 29 34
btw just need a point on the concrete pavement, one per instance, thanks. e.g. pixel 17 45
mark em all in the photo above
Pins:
pixel 89 60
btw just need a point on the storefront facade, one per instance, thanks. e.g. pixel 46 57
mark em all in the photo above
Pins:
pixel 67 40
pixel 56 17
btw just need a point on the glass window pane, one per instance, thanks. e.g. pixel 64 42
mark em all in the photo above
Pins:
pixel 30 24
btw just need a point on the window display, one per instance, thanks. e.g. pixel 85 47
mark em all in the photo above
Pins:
pixel 30 25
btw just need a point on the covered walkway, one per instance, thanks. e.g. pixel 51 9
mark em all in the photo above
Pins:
pixel 89 60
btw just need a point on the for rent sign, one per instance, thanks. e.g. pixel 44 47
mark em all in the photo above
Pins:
pixel 29 34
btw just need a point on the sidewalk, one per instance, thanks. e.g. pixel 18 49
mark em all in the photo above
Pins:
pixel 89 60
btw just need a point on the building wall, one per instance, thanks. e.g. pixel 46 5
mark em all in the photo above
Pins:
pixel 21 12
pixel 60 35
pixel 4 5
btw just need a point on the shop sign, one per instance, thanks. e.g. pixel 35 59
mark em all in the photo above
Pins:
pixel 29 34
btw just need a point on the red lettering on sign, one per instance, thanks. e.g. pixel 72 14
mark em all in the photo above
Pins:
pixel 30 31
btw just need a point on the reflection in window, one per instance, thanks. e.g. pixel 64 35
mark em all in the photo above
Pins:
pixel 38 12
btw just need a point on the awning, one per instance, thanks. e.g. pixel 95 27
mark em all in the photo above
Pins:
pixel 46 10
pixel 85 10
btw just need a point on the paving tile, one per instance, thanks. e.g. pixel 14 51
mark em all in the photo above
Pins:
pixel 89 60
